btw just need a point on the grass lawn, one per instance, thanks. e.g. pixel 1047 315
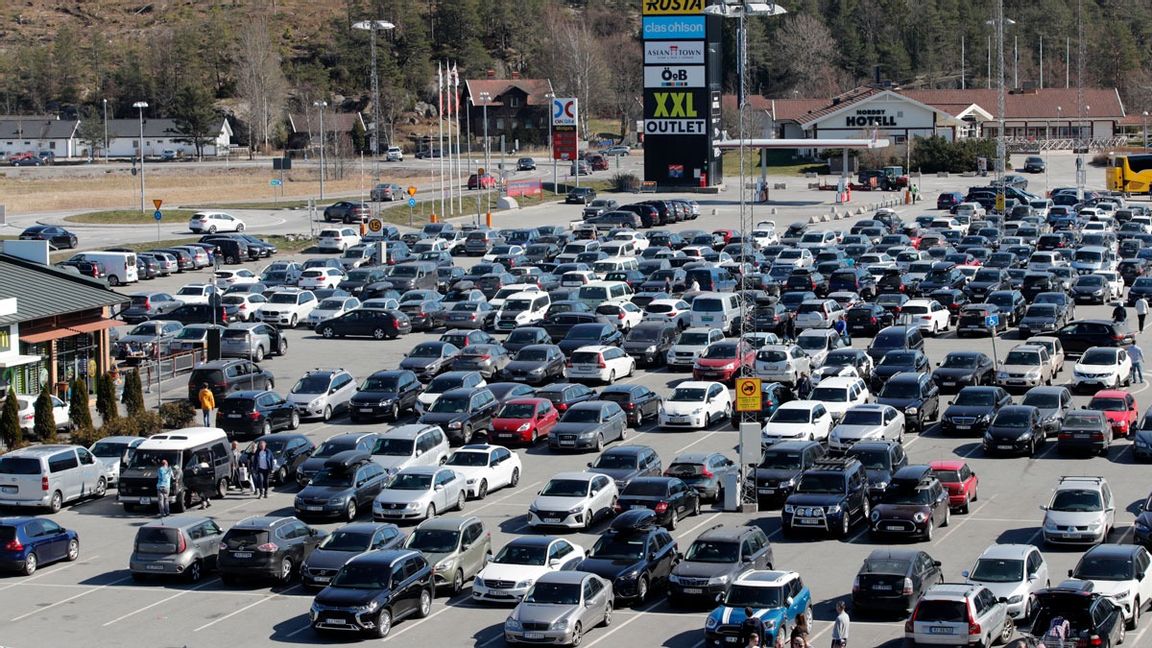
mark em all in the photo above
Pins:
pixel 127 217
pixel 477 202
pixel 752 166
pixel 280 204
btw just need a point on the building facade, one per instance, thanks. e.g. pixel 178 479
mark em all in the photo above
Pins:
pixel 516 109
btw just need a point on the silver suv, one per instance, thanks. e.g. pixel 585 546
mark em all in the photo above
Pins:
pixel 965 614
pixel 323 393
pixel 181 545
pixel 1082 511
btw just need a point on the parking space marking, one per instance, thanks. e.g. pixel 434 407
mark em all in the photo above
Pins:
pixel 70 598
pixel 612 630
pixel 251 605
pixel 26 581
pixel 706 520
pixel 500 499
pixel 160 602
pixel 953 525
pixel 701 439
pixel 448 605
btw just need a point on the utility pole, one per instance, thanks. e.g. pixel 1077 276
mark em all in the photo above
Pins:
pixel 140 106
pixel 321 105
pixel 105 147
pixel 961 62
pixel 1081 172
pixel 1041 61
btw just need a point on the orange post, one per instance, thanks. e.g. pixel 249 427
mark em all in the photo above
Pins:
pixel 432 219
pixel 488 219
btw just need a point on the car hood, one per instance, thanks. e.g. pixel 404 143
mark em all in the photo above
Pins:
pixel 717 362
pixel 324 559
pixel 786 429
pixel 440 418
pixel 777 474
pixel 556 503
pixel 682 407
pixel 1074 518
pixel 687 348
pixel 1004 590
pixel 1111 587
pixel 617 474
pixel 324 492
pixel 539 613
pixel 515 573
pixel 693 569
pixel 373 397
pixel 1019 368
pixel 524 365
pixel 575 428
pixel 729 616
pixel 845 432
pixel 419 363
pixel 900 511
pixel 392 463
pixel 899 403
pixel 967 410
pixel 887 371
pixel 953 373
pixel 390 496
pixel 1038 320
pixel 608 569
pixel 815 499
pixel 345 597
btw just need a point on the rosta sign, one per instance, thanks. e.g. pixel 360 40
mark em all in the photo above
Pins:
pixel 672 7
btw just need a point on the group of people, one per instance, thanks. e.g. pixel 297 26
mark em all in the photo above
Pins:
pixel 245 471
pixel 753 635
pixel 1135 353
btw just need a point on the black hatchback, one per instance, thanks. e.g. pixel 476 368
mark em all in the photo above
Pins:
pixel 266 547
pixel 668 497
pixel 255 412
pixel 638 402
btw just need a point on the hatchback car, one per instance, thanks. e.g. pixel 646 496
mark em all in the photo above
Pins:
pixel 967 613
pixel 894 580
pixel 1014 572
pixel 182 546
pixel 914 504
pixel 323 393
pixel 1082 511
pixel 250 413
pixel 343 544
pixel 27 543
pixel 269 547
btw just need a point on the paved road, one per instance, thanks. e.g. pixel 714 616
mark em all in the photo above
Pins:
pixel 93 601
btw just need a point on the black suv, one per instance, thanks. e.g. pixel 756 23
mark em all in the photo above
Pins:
pixel 254 413
pixel 461 412
pixel 914 394
pixel 385 393
pixel 881 460
pixel 829 497
pixel 374 590
pixel 1010 302
pixel 648 342
pixel 1081 335
pixel 973 409
pixel 243 549
pixel 361 441
pixel 914 504
pixel 1094 618
pixel 224 377
pixel 719 552
pixel 781 465
pixel 634 554
pixel 348 481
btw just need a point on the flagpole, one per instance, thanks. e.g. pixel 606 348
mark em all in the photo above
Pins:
pixel 448 137
pixel 459 133
pixel 440 126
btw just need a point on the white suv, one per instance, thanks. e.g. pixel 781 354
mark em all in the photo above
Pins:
pixel 288 307
pixel 1102 368
pixel 782 363
pixel 601 363
pixel 322 393
pixel 394 154
pixel 930 315
pixel 965 614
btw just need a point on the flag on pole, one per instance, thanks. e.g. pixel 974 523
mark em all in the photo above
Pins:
pixel 440 125
pixel 455 101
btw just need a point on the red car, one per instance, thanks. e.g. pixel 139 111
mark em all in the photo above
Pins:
pixel 961 482
pixel 524 420
pixel 1119 408
pixel 725 234
pixel 723 361
pixel 486 181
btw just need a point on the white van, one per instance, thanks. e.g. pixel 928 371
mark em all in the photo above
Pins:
pixel 599 292
pixel 716 310
pixel 522 309
pixel 47 476
pixel 120 266
pixel 614 264
pixel 508 291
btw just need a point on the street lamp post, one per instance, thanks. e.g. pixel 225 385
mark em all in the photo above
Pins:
pixel 321 105
pixel 552 154
pixel 485 97
pixel 140 106
pixel 372 26
pixel 1145 130
pixel 105 146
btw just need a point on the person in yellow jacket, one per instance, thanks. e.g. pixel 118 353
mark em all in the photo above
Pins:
pixel 207 403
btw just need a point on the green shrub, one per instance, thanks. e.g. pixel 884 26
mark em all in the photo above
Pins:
pixel 10 422
pixel 106 403
pixel 79 411
pixel 133 393
pixel 178 414
pixel 935 154
pixel 625 182
pixel 44 421
pixel 145 423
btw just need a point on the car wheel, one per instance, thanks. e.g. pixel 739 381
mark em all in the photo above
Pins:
pixel 947 517
pixel 383 624
pixel 845 524
pixel 101 488
pixel 460 500
pixel 639 418
pixel 608 615
pixel 283 347
pixel 430 512
pixel 966 505
pixel 259 355
pixel 379 333
pixel 929 531
pixel 466 434
pixel 327 413
pixel 266 429
pixel 394 413
pixel 515 477
pixel 350 511
pixel 240 227
pixel 576 632
pixel 282 476
pixel 295 422
pixel 482 490
pixel 671 526
pixel 195 571
pixel 1131 623
pixel 292 322
pixel 612 377
pixel 599 443
pixel 211 229
pixel 457 582
pixel 56 503
pixel 286 569
pixel 73 550
pixel 30 564
pixel 642 590
pixel 1007 631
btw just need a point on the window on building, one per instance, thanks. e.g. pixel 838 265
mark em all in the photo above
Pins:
pixel 514 102
pixel 499 124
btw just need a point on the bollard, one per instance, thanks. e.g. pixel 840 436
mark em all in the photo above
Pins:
pixel 488 219
pixel 773 211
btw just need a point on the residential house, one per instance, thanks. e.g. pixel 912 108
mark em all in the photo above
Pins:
pixel 516 109
pixel 161 135
pixel 36 133
pixel 304 132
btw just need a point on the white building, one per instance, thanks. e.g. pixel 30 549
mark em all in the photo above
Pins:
pixel 161 135
pixel 33 134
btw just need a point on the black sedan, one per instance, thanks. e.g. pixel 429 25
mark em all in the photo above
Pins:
pixel 668 497
pixel 377 323
pixel 1042 318
pixel 536 364
pixel 596 334
pixel 57 237
pixel 385 393
pixel 867 319
pixel 638 402
pixel 288 451
pixel 961 369
pixel 973 410
pixel 429 359
pixel 894 580
pixel 252 413
pixel 1016 429
pixel 525 336
pixel 243 548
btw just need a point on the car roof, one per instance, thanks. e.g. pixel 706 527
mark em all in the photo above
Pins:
pixel 947 464
pixel 893 554
pixel 1112 550
pixel 448 523
pixel 171 522
pixel 765 578
pixel 1111 393
pixel 1007 550
pixel 262 522
pixel 563 577
pixel 951 591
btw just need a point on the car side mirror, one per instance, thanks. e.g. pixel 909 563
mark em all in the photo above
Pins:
pixel 937 563
pixel 439 486
pixel 719 598
pixel 1069 573
pixel 554 562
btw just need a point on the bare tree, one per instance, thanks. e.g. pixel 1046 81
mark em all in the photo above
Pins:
pixel 259 79
pixel 625 78
pixel 574 61
pixel 805 47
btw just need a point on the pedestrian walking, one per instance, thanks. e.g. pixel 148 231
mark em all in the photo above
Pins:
pixel 840 627
pixel 217 257
pixel 1136 355
pixel 1141 312
pixel 803 386
pixel 752 626
pixel 163 486
pixel 262 464
pixel 207 403
pixel 789 327
pixel 1119 313
pixel 234 465
pixel 841 327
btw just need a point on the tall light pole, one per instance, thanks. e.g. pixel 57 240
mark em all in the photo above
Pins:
pixel 140 106
pixel 999 22
pixel 485 97
pixel 1145 130
pixel 552 154
pixel 105 147
pixel 372 26
pixel 321 105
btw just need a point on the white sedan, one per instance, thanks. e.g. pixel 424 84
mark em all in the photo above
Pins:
pixel 319 278
pixel 930 315
pixel 800 419
pixel 695 404
pixel 485 468
pixel 1102 368
pixel 225 279
pixel 519 563
pixel 27 411
pixel 573 500
pixel 332 307
pixel 868 422
pixel 195 293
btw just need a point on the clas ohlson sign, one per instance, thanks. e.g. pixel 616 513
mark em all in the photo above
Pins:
pixel 673 27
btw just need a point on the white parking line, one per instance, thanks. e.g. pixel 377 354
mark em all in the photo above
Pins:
pixel 265 599
pixel 27 581
pixel 448 605
pixel 486 503
pixel 160 602
pixel 706 520
pixel 612 630
pixel 703 438
pixel 70 598
pixel 954 524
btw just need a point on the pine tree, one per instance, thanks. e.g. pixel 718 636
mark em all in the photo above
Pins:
pixel 44 421
pixel 133 393
pixel 10 422
pixel 78 409
pixel 106 398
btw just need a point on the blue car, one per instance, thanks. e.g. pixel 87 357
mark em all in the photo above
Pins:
pixel 776 597
pixel 28 542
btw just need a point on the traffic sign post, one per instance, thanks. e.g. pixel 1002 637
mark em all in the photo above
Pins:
pixel 158 215
pixel 375 225
pixel 993 322
pixel 748 395
pixel 411 202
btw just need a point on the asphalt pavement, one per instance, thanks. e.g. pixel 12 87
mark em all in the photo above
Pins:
pixel 94 602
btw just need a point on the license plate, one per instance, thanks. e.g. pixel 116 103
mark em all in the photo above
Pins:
pixel 366 410
pixel 313 508
pixel 939 630
pixel 587 367
pixel 893 527
pixel 241 554
pixel 693 590
pixel 766 491
pixel 636 507
pixel 321 579
pixel 233 415
pixel 1082 436
pixel 567 443
pixel 948 383
pixel 882 588
pixel 145 500
pixel 963 427
pixel 1070 535
pixel 534 635
pixel 731 639
pixel 553 518
pixel 807 521
pixel 154 567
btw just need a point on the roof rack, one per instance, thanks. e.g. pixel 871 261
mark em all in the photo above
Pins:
pixel 1096 479
pixel 829 463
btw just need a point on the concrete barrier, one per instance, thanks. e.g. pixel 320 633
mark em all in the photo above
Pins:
pixel 813 185
pixel 810 174
pixel 780 186
pixel 773 211
pixel 813 219
pixel 941 174
pixel 507 202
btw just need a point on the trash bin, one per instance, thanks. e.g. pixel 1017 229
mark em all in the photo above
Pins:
pixel 732 494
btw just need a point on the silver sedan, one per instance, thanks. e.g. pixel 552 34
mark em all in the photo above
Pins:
pixel 559 609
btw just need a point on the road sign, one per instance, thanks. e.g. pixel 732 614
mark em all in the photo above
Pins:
pixel 157 214
pixel 375 225
pixel 992 321
pixel 748 395
pixel 275 182
pixel 411 202
pixel 157 202
pixel 564 111
pixel 1000 201
pixel 412 190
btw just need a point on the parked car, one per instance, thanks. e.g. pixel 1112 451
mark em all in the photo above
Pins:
pixel 244 548
pixel 182 546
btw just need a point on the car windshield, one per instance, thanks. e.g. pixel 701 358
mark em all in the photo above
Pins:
pixel 862 417
pixel 341 540
pixel 839 359
pixel 812 342
pixel 554 594
pixel 283 298
pixel 109 449
pixel 689 338
pixel 720 351
pixel 145 459
pixel 898 358
pixel 465 458
pixel 147 328
pixel 644 334
pixel 450 405
pixel 826 394
pixel 907 496
pixel 312 384
pixel 713 552
pixel 996 570
pixel 581 415
pixel 901 389
pixel 781 460
pixel 791 415
pixel 1104 357
pixel 688 394
pixel 331 304
pixel 379 383
pixel 426 351
pixel 820 483
pixel 393 447
pixel 877 459
pixel 441 384
pixel 960 361
pixel 1041 310
pixel 411 482
pixel 1105 568
pixel 1108 404
pixel 337 478
pixel 1041 400
pixel 885 566
pixel 615 461
pixel 519 554
pixel 757 598
pixel 565 488
pixel 1077 501
pixel 619 547
pixel 433 540
pixel 369 577
pixel 1022 358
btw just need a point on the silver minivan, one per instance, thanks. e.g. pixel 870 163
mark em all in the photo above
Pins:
pixel 178 545
pixel 48 476
pixel 251 340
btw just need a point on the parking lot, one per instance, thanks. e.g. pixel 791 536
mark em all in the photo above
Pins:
pixel 94 601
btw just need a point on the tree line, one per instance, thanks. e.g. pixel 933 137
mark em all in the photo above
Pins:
pixel 253 60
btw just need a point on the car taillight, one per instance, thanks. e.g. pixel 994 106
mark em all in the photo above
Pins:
pixel 907 591
pixel 974 629
pixel 704 472
pixel 630 406
pixel 873 320
pixel 620 315
pixel 255 416
pixel 600 362
pixel 182 546
pixel 1095 640
pixel 14 545
pixel 268 547
pixel 661 507
pixel 44 484
pixel 568 363
pixel 563 406
pixel 619 507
